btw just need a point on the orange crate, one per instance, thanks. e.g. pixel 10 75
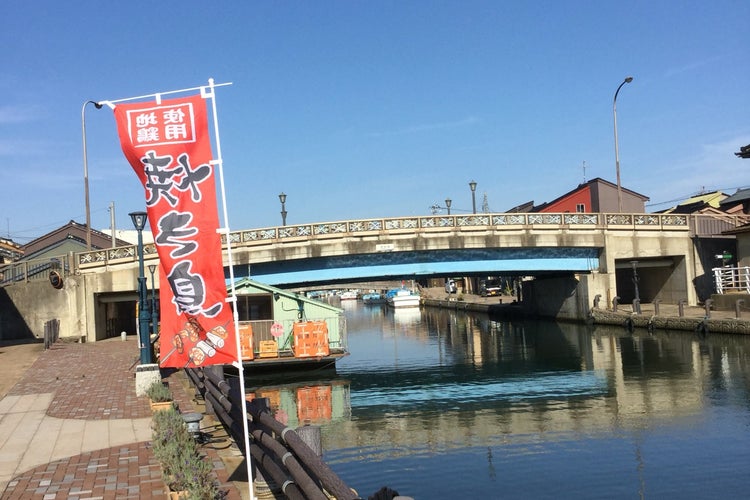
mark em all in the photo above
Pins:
pixel 246 341
pixel 311 339
pixel 268 349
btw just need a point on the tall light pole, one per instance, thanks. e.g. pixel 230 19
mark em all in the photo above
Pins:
pixel 448 205
pixel 282 199
pixel 144 317
pixel 627 79
pixel 473 186
pixel 86 171
pixel 154 314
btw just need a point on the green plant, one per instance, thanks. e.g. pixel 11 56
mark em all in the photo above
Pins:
pixel 158 392
pixel 185 468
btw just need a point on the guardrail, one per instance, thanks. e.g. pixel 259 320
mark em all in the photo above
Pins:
pixel 732 279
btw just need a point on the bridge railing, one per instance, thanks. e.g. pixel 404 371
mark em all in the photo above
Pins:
pixel 35 269
pixel 700 225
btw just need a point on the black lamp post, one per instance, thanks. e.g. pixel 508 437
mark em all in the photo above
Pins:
pixel 448 205
pixel 282 199
pixel 144 316
pixel 473 186
pixel 154 313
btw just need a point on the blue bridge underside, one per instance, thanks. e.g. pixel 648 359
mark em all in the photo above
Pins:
pixel 414 264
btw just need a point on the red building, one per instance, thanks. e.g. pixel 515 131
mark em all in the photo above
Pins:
pixel 596 195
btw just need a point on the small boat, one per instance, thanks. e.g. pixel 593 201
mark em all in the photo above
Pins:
pixel 401 297
pixel 349 295
pixel 373 298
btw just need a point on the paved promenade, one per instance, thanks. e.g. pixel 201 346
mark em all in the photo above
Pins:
pixel 73 428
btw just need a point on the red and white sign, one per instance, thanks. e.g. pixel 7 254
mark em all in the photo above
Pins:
pixel 168 145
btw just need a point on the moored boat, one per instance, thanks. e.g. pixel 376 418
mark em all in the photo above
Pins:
pixel 349 295
pixel 373 298
pixel 401 297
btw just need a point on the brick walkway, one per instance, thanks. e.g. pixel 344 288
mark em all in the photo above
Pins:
pixel 89 383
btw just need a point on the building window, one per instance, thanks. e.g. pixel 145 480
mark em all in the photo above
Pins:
pixel 580 208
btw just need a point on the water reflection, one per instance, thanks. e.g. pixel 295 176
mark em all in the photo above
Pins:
pixel 440 383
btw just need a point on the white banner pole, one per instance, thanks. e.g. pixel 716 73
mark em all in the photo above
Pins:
pixel 232 297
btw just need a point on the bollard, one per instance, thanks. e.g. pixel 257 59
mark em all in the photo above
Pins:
pixel 615 301
pixel 707 305
pixel 123 336
pixel 737 308
pixel 681 307
pixel 310 434
pixel 656 306
pixel 597 298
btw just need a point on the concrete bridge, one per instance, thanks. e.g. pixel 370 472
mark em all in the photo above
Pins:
pixel 573 256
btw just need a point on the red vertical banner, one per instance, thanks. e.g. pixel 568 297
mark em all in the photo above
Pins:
pixel 169 147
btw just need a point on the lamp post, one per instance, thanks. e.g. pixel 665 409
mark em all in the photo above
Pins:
pixel 154 314
pixel 473 186
pixel 448 205
pixel 282 199
pixel 144 317
pixel 627 79
pixel 86 171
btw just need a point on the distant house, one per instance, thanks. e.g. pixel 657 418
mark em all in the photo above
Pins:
pixel 739 199
pixel 595 196
pixel 10 251
pixel 700 203
pixel 69 238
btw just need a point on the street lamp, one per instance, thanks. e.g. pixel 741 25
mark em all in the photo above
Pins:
pixel 144 317
pixel 86 171
pixel 154 314
pixel 282 199
pixel 627 79
pixel 448 205
pixel 473 186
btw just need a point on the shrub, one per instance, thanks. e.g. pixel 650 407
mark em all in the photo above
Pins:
pixel 185 468
pixel 158 392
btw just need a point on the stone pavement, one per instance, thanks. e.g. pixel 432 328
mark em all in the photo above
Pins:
pixel 73 428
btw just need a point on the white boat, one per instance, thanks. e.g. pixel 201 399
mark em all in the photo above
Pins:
pixel 349 295
pixel 402 298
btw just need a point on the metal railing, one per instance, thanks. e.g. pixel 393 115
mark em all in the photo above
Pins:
pixel 262 332
pixel 732 279
pixel 35 269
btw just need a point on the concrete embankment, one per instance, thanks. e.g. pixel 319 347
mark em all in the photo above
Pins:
pixel 669 317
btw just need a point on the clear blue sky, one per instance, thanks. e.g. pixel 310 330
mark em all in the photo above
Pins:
pixel 381 108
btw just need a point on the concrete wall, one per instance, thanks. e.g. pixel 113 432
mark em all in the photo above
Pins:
pixel 564 297
pixel 33 304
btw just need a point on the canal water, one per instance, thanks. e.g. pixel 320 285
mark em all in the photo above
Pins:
pixel 439 404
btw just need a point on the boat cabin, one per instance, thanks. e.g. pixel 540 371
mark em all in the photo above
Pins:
pixel 279 326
